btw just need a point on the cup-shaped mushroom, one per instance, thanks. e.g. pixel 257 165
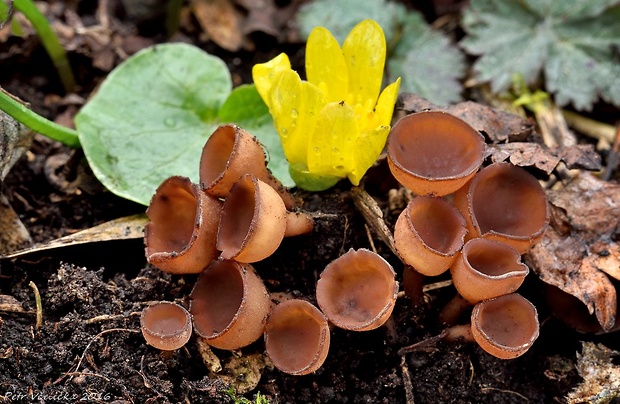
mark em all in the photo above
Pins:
pixel 166 325
pixel 486 269
pixel 181 236
pixel 254 221
pixel 297 337
pixel 428 234
pixel 230 305
pixel 433 152
pixel 504 202
pixel 357 290
pixel 231 152
pixel 506 326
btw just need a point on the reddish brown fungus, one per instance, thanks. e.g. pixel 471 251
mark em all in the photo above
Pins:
pixel 506 326
pixel 505 203
pixel 297 337
pixel 357 290
pixel 434 153
pixel 254 220
pixel 166 326
pixel 231 152
pixel 428 234
pixel 486 269
pixel 229 304
pixel 181 235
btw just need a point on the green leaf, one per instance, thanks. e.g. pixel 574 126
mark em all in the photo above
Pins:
pixel 574 44
pixel 428 63
pixel 151 117
pixel 339 17
pixel 246 108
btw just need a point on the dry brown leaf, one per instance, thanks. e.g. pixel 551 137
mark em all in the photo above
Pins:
pixel 523 154
pixel 580 244
pixel 498 125
pixel 130 227
pixel 221 21
pixel 601 382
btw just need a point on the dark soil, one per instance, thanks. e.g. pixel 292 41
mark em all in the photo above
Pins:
pixel 89 347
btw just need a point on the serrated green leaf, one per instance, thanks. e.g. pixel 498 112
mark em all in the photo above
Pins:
pixel 573 43
pixel 246 108
pixel 339 17
pixel 427 62
pixel 151 117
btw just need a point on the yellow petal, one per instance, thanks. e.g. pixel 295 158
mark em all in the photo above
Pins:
pixel 331 148
pixel 325 65
pixel 265 74
pixel 364 53
pixel 368 146
pixel 385 105
pixel 294 105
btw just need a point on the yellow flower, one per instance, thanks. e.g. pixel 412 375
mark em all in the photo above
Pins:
pixel 336 124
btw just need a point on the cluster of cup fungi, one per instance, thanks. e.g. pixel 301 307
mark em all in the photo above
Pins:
pixel 474 222
pixel 238 214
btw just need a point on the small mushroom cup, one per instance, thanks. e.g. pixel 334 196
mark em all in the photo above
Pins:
pixel 486 269
pixel 166 325
pixel 434 153
pixel 297 337
pixel 181 236
pixel 506 326
pixel 230 305
pixel 229 153
pixel 428 234
pixel 504 202
pixel 357 290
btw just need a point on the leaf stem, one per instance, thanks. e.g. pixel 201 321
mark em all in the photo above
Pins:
pixel 36 122
pixel 49 40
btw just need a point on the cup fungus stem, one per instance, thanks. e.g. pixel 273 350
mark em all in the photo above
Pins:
pixel 453 309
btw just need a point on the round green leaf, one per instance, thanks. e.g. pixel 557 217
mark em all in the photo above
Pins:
pixel 151 117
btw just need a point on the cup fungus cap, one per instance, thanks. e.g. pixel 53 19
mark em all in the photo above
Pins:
pixel 486 269
pixel 506 326
pixel 229 153
pixel 504 202
pixel 253 221
pixel 297 337
pixel 357 290
pixel 434 153
pixel 166 325
pixel 181 236
pixel 230 304
pixel 428 234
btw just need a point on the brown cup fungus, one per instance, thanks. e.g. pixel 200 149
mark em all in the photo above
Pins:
pixel 231 152
pixel 297 337
pixel 434 153
pixel 504 202
pixel 230 305
pixel 181 236
pixel 486 269
pixel 428 234
pixel 357 290
pixel 506 326
pixel 166 326
pixel 254 220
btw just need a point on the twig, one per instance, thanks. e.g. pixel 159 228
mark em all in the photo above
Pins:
pixel 407 384
pixel 373 215
pixel 37 302
pixel 590 127
pixel 485 389
pixel 614 156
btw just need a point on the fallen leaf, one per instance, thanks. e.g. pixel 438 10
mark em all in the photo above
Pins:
pixel 601 376
pixel 579 249
pixel 499 126
pixel 130 227
pixel 523 154
pixel 221 21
